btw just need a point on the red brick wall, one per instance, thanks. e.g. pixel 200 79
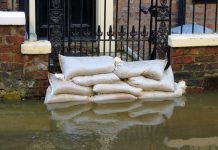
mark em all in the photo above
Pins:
pixel 21 76
pixel 195 65
pixel 7 4
pixel 199 14
pixel 3 4
pixel 134 11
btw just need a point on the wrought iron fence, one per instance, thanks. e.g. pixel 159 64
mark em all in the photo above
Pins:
pixel 197 16
pixel 129 30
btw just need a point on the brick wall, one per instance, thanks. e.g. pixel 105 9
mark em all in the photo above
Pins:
pixel 198 66
pixel 3 4
pixel 199 14
pixel 7 4
pixel 134 8
pixel 21 76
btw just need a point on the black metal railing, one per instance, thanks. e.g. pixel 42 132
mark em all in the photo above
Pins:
pixel 21 5
pixel 138 30
pixel 199 17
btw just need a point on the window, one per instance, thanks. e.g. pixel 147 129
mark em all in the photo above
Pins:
pixel 88 16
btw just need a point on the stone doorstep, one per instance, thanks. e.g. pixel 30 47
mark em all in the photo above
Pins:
pixel 36 47
pixel 192 40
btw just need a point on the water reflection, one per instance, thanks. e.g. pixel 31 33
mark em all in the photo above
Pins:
pixel 131 125
pixel 109 120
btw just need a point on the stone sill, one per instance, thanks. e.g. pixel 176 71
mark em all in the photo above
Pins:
pixel 192 40
pixel 36 47
pixel 12 18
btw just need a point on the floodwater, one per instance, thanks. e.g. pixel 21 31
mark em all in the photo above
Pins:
pixel 187 123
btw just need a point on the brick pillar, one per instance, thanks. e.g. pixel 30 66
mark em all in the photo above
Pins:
pixel 36 76
pixel 195 65
pixel 21 76
pixel 11 62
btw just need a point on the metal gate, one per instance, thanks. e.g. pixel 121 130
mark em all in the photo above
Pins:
pixel 130 29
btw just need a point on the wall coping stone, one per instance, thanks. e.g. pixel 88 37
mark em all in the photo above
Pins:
pixel 192 40
pixel 36 47
pixel 12 18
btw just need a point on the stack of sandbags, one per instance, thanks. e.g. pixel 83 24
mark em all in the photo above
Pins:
pixel 88 78
pixel 151 77
pixel 105 79
pixel 79 74
pixel 65 91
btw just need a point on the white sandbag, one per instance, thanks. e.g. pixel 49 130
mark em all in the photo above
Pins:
pixel 118 87
pixel 67 87
pixel 129 69
pixel 50 98
pixel 154 69
pixel 85 66
pixel 96 79
pixel 112 97
pixel 150 68
pixel 165 84
pixel 149 95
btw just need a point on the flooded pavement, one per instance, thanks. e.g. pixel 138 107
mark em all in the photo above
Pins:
pixel 187 123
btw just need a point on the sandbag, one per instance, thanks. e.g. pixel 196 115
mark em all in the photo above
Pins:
pixel 150 68
pixel 112 97
pixel 118 87
pixel 67 87
pixel 165 84
pixel 96 79
pixel 158 94
pixel 85 66
pixel 50 98
pixel 154 69
pixel 129 69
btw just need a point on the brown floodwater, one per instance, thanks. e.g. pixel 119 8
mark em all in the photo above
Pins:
pixel 187 123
